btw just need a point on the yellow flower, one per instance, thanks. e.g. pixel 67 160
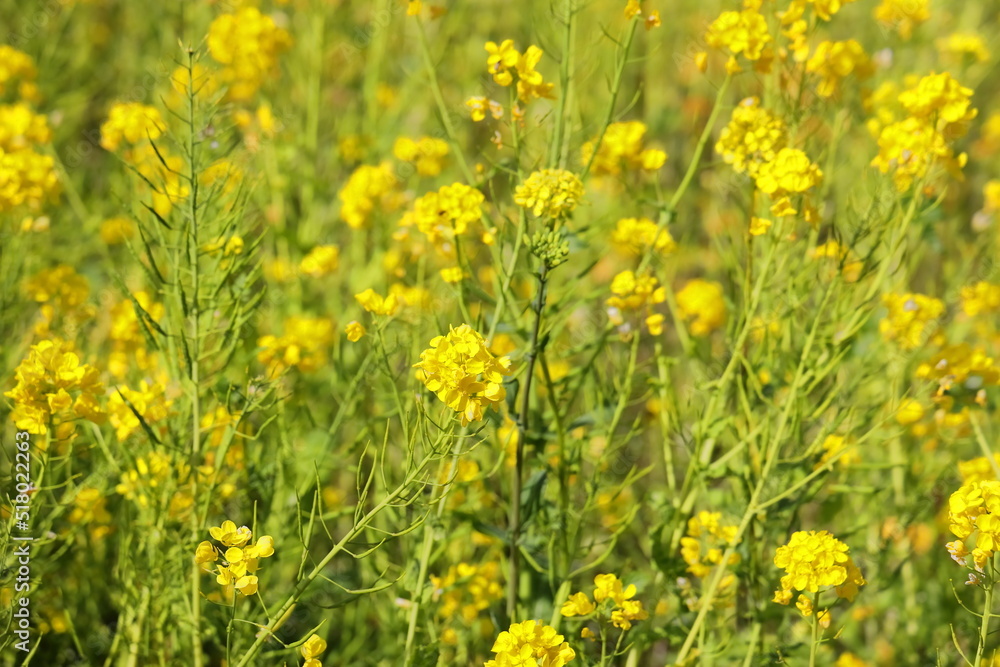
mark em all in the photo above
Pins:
pixel 354 330
pixel 117 230
pixel 452 274
pixel 759 226
pixel 621 148
pixel 909 317
pixel 376 304
pixel 835 61
pixel 752 137
pixel 445 214
pixel 131 122
pixel 47 380
pixel 321 261
pixel 959 44
pixel 312 647
pixel 790 171
pixel 302 346
pixel 741 33
pixel 983 297
pixel 530 643
pixel 459 368
pixel 702 302
pixel 578 604
pixel 427 153
pixel 902 15
pixel 552 193
pixel 369 190
pixel 634 236
pixel 247 43
pixel 815 561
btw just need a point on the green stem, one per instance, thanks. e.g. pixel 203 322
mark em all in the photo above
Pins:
pixel 522 427
pixel 425 557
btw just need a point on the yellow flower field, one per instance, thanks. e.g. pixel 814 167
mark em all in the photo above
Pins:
pixel 500 334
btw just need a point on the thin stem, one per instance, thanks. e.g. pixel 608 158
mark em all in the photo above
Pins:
pixel 984 626
pixel 522 427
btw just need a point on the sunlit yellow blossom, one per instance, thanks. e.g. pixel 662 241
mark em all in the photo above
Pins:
pixel 247 43
pixel 427 154
pixel 902 15
pixel 530 643
pixel 702 302
pixel 622 148
pixel 369 190
pixel 355 331
pixel 551 193
pixel 910 318
pixel 321 261
pixel 131 123
pixel 634 236
pixel 302 346
pixel 835 61
pixel 460 369
pixel 52 386
pixel 815 561
pixel 964 43
pixel 752 137
pixel 377 304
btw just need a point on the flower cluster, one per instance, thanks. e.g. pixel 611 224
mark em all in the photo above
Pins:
pixel 702 302
pixel 939 110
pixel 239 560
pixel 131 123
pixel 310 649
pixel 504 61
pixel 53 389
pixel 550 193
pixel 302 346
pixel 369 189
pixel 126 406
pixel 460 369
pixel 840 449
pixel 376 304
pixel 847 261
pixel 131 321
pixel 27 177
pixel 835 61
pixel 742 33
pixel 815 562
pixel 612 600
pixel 467 590
pixel 445 214
pixel 530 643
pixel 17 67
pixel 981 298
pixel 321 261
pixel 702 548
pixel 910 318
pixel 90 510
pixel 147 474
pixel 247 44
pixel 634 236
pixel 753 136
pixel 902 15
pixel 62 294
pixel 633 293
pixel 962 372
pixel 622 149
pixel 975 509
pixel 427 154
pixel 789 173
pixel 960 44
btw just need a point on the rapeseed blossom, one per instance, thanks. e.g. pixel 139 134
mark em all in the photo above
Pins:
pixel 460 369
pixel 530 643
pixel 816 562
